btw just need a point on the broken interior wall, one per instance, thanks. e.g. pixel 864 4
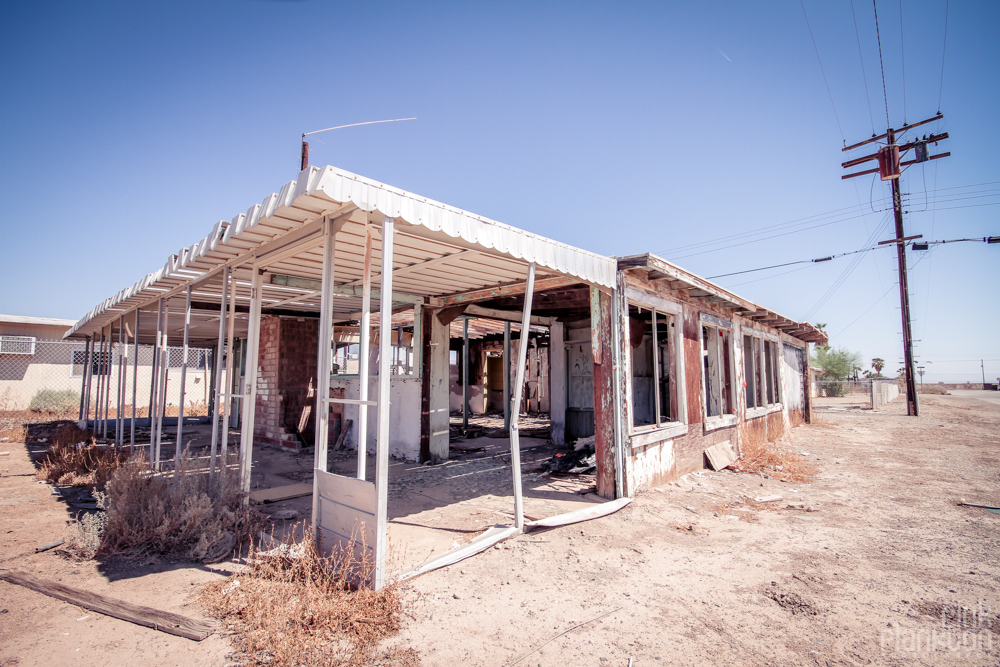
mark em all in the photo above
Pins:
pixel 434 424
pixel 404 417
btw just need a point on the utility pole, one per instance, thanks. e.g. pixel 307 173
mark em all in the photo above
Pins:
pixel 889 169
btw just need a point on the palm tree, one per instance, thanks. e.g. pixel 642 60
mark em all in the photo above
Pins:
pixel 878 364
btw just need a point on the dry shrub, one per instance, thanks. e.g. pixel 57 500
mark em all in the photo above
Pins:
pixel 758 455
pixel 184 515
pixel 74 459
pixel 293 606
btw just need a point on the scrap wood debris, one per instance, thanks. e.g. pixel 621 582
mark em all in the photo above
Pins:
pixel 164 621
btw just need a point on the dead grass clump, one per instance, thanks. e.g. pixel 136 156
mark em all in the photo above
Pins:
pixel 769 458
pixel 74 459
pixel 184 515
pixel 294 606
pixel 932 389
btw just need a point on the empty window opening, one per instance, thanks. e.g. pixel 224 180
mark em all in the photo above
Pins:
pixel 653 362
pixel 760 368
pixel 717 354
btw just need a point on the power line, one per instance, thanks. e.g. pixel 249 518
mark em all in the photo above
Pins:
pixel 863 74
pixel 822 71
pixel 846 273
pixel 902 53
pixel 801 261
pixel 944 50
pixel 891 287
pixel 774 228
pixel 881 64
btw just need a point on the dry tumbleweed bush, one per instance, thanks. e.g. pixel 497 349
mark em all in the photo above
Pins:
pixel 183 515
pixel 293 606
pixel 761 456
pixel 73 459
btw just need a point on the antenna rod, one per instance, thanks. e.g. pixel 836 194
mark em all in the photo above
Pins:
pixel 305 144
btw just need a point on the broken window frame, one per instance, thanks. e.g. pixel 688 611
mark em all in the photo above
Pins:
pixel 766 384
pixel 661 427
pixel 725 367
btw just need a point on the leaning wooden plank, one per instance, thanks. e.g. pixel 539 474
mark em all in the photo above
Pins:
pixel 164 621
pixel 344 432
pixel 482 543
pixel 720 455
pixel 277 493
pixel 584 514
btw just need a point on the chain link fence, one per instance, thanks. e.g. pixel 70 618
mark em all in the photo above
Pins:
pixel 44 381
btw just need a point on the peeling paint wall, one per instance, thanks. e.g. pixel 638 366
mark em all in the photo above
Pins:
pixel 650 461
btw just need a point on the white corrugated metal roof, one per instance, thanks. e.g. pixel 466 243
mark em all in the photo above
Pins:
pixel 51 321
pixel 441 250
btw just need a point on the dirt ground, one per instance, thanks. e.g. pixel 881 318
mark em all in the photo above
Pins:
pixel 887 569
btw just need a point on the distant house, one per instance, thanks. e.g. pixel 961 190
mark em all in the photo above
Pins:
pixel 33 357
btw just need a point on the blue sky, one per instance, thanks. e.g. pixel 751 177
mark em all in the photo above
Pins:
pixel 128 129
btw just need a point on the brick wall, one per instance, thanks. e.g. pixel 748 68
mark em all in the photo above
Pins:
pixel 286 381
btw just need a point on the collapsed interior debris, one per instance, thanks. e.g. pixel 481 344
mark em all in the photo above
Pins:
pixel 343 311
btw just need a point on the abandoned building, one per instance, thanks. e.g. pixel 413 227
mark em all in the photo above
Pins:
pixel 342 310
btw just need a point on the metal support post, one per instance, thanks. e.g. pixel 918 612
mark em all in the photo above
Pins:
pixel 506 377
pixel 83 384
pixel 232 368
pixel 364 345
pixel 522 358
pixel 323 361
pixel 135 376
pixel 183 392
pixel 382 438
pixel 250 400
pixel 465 372
pixel 217 374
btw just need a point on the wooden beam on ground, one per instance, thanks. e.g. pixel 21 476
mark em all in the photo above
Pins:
pixel 511 289
pixel 164 621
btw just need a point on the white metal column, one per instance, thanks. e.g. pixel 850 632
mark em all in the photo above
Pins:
pixel 506 376
pixel 232 372
pixel 120 396
pixel 323 362
pixel 515 403
pixel 465 372
pixel 183 392
pixel 250 400
pixel 154 384
pixel 364 343
pixel 161 402
pixel 135 376
pixel 384 370
pixel 217 371
pixel 84 399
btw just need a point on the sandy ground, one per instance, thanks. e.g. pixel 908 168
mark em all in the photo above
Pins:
pixel 889 570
